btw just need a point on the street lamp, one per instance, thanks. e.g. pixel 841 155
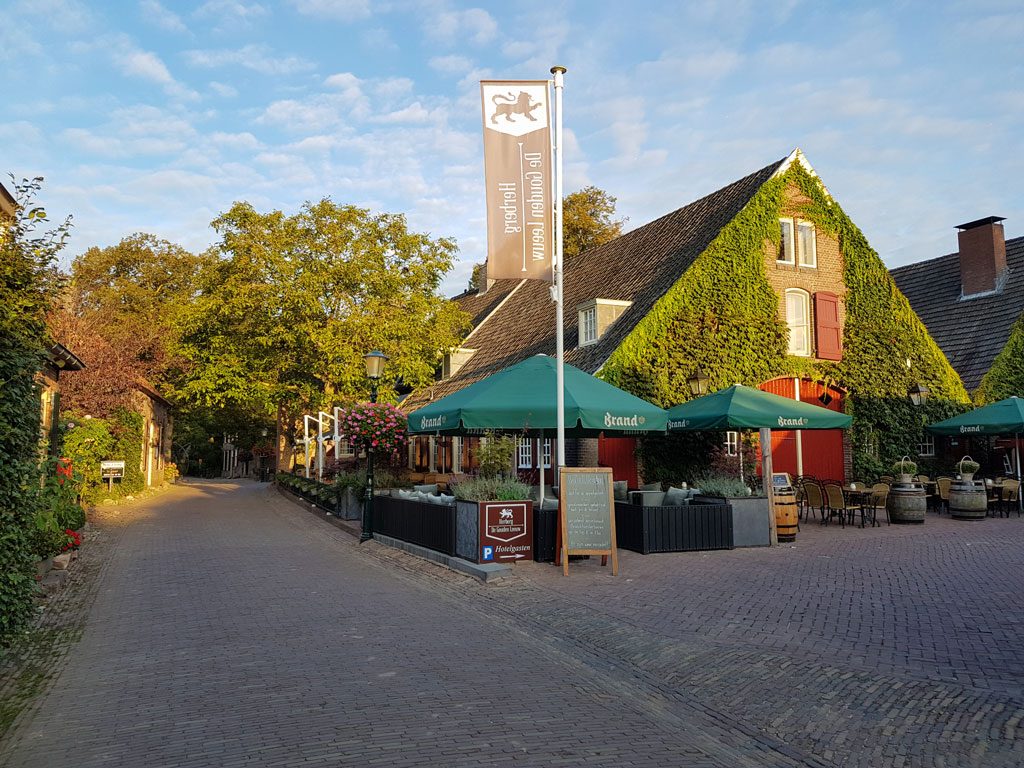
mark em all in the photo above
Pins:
pixel 918 394
pixel 374 367
pixel 698 382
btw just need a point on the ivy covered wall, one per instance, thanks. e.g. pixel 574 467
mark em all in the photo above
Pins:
pixel 1006 376
pixel 723 316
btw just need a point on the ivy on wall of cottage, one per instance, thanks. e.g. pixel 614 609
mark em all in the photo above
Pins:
pixel 1006 376
pixel 723 316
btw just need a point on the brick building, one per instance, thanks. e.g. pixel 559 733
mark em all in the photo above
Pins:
pixel 625 294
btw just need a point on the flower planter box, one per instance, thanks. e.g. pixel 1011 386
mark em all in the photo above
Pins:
pixel 687 528
pixel 751 525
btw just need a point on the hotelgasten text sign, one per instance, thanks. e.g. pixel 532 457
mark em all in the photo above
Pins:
pixel 517 175
pixel 506 534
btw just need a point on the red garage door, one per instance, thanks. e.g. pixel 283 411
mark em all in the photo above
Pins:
pixel 820 449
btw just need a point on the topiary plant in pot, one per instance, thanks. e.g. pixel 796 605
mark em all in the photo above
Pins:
pixel 905 470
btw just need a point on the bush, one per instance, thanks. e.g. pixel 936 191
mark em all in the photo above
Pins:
pixel 490 489
pixel 494 454
pixel 720 485
pixel 87 442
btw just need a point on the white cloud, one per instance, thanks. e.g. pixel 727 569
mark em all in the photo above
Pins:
pixel 342 10
pixel 258 58
pixel 414 113
pixel 451 65
pixel 223 89
pixel 146 65
pixel 231 11
pixel 154 12
pixel 238 141
pixel 474 24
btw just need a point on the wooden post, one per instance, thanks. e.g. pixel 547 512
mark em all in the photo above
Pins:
pixel 766 479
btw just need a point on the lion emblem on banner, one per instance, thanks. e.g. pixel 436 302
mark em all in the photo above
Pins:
pixel 509 105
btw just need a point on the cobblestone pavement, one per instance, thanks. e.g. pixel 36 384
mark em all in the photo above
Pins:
pixel 232 627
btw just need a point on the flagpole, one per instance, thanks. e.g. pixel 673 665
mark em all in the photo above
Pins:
pixel 558 72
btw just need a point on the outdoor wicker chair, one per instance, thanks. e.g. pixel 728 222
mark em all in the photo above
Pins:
pixel 1009 499
pixel 835 504
pixel 879 497
pixel 814 499
pixel 942 492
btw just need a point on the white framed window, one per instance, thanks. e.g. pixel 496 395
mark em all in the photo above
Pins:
pixel 547 454
pixel 926 445
pixel 871 443
pixel 456 455
pixel 807 244
pixel 732 443
pixel 786 244
pixel 588 326
pixel 524 452
pixel 798 318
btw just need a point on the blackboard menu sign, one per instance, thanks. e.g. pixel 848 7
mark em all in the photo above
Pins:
pixel 587 514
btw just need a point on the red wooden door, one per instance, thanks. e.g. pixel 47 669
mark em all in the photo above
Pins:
pixel 619 454
pixel 822 449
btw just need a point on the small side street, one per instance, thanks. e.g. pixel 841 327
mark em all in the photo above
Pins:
pixel 230 626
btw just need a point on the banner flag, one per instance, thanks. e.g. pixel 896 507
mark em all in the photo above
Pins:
pixel 517 174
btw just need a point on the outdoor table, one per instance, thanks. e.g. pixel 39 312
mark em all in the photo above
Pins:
pixel 861 496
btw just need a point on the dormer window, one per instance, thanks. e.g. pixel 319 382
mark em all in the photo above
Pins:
pixel 595 317
pixel 588 326
pixel 797 244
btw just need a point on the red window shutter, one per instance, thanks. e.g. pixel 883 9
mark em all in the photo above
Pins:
pixel 828 331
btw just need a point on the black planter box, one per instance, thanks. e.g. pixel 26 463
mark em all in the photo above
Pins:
pixel 418 522
pixel 689 528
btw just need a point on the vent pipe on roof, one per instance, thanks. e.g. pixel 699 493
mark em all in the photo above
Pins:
pixel 982 256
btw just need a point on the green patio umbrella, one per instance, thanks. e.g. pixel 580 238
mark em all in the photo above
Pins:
pixel 521 398
pixel 1004 417
pixel 740 407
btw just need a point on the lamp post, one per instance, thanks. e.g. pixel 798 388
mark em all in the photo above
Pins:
pixel 374 366
pixel 698 382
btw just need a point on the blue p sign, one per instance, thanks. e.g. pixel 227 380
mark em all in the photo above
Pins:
pixel 488 553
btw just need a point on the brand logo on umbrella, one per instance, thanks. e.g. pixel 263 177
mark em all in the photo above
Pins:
pixel 784 422
pixel 437 421
pixel 970 429
pixel 678 424
pixel 623 421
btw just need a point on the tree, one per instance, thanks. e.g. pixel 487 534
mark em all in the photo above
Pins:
pixel 285 315
pixel 131 293
pixel 587 220
pixel 28 285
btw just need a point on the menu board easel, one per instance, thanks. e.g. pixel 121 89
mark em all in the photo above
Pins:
pixel 586 514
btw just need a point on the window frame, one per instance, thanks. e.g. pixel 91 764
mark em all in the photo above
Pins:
pixel 546 452
pixel 813 264
pixel 927 442
pixel 524 453
pixel 783 251
pixel 732 443
pixel 588 325
pixel 807 324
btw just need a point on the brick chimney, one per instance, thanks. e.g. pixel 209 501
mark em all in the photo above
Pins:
pixel 982 255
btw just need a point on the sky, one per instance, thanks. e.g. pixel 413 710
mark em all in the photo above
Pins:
pixel 156 115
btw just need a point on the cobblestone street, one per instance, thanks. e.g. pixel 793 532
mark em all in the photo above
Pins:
pixel 232 627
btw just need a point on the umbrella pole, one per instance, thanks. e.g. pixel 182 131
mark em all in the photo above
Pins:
pixel 766 479
pixel 558 72
pixel 739 450
pixel 1016 455
pixel 540 463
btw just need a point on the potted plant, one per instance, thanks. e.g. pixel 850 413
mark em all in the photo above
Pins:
pixel 904 469
pixel 967 467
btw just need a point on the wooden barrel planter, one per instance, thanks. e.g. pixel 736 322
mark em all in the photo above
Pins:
pixel 787 516
pixel 968 501
pixel 907 503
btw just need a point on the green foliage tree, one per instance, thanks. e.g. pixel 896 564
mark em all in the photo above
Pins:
pixel 284 316
pixel 1006 376
pixel 28 285
pixel 587 220
pixel 131 293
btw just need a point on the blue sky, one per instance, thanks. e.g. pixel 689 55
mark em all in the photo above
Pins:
pixel 155 115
